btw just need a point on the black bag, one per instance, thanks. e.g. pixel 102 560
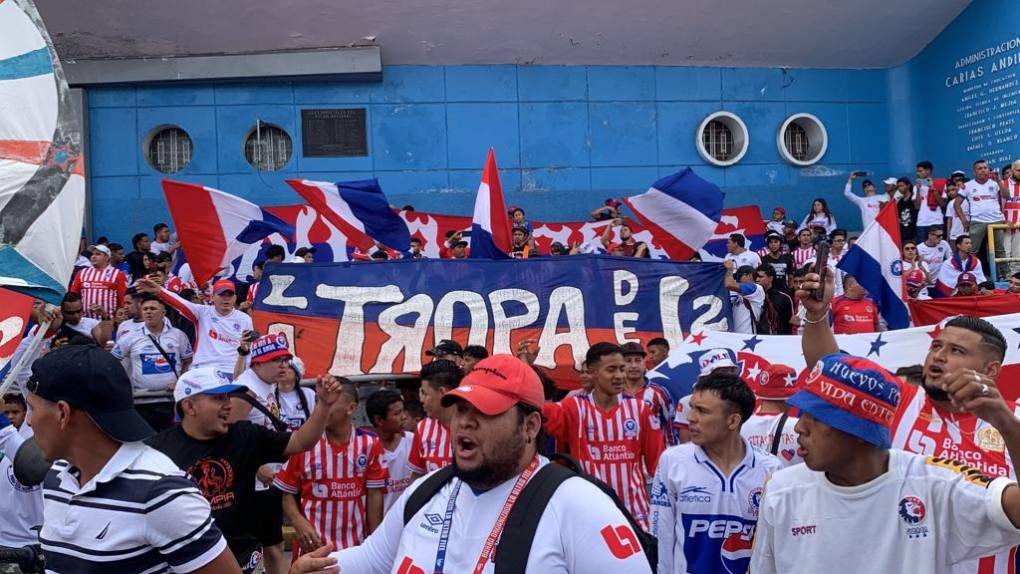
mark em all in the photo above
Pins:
pixel 514 545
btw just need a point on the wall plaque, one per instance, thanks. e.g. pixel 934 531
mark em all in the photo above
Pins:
pixel 334 133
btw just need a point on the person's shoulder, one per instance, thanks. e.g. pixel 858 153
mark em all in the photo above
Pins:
pixel 678 456
pixel 154 462
pixel 577 496
pixel 934 469
pixel 765 461
pixel 792 477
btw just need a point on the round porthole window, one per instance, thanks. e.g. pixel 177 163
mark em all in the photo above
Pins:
pixel 802 139
pixel 722 139
pixel 168 149
pixel 267 147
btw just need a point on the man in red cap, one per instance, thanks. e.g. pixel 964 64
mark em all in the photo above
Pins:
pixel 770 427
pixel 966 285
pixel 915 286
pixel 218 328
pixel 497 426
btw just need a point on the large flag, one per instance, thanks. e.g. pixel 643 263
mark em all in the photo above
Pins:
pixel 935 310
pixel 875 262
pixel 42 189
pixel 745 220
pixel 15 309
pixel 681 210
pixel 490 226
pixel 891 349
pixel 215 227
pixel 359 209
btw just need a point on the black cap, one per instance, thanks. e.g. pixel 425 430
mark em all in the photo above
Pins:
pixel 446 347
pixel 92 380
pixel 632 348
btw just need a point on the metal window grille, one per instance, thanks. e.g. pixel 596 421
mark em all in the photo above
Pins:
pixel 718 140
pixel 797 142
pixel 268 147
pixel 169 150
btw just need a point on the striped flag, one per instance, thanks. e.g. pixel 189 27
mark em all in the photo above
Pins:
pixel 490 226
pixel 875 262
pixel 215 227
pixel 681 210
pixel 359 209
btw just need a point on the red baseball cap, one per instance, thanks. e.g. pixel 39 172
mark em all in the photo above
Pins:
pixel 966 278
pixel 223 285
pixel 777 382
pixel 498 383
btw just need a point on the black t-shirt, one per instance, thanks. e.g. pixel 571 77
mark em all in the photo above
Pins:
pixel 784 266
pixel 783 305
pixel 908 218
pixel 224 469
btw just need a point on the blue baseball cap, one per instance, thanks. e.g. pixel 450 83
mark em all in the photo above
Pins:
pixel 851 394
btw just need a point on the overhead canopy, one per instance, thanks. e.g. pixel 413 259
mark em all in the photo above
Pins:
pixel 794 33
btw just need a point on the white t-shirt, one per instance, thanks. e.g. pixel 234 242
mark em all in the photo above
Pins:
pixel 157 247
pixel 925 215
pixel 21 508
pixel 129 325
pixel 705 520
pixel 581 531
pixel 290 407
pixel 217 336
pixel 923 515
pixel 869 206
pixel 399 470
pixel 984 201
pixel 683 406
pixel 265 395
pixel 744 318
pixel 146 366
pixel 955 225
pixel 934 257
pixel 748 257
pixel 760 431
pixel 84 326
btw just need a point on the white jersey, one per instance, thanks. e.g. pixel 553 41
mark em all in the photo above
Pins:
pixel 217 336
pixel 924 514
pixel 399 469
pixel 581 531
pixel 927 216
pixel 955 224
pixel 266 396
pixel 21 507
pixel 934 257
pixel 746 258
pixel 148 369
pixel 703 519
pixel 760 431
pixel 869 206
pixel 745 318
pixel 683 406
pixel 984 201
pixel 290 406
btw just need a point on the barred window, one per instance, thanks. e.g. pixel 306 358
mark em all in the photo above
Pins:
pixel 168 149
pixel 802 139
pixel 722 139
pixel 268 147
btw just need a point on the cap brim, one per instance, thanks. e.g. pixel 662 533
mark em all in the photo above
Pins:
pixel 122 426
pixel 274 355
pixel 486 400
pixel 840 419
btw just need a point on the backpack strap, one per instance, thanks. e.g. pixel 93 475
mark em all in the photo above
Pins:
pixel 426 491
pixel 778 437
pixel 514 546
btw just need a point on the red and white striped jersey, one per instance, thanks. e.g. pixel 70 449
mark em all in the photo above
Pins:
pixel 611 445
pixel 432 448
pixel 659 406
pixel 333 481
pixel 104 287
pixel 803 255
pixel 1011 204
pixel 217 336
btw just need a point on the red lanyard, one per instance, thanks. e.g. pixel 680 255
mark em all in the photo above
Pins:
pixel 497 529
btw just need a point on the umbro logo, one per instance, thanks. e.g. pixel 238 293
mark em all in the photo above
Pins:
pixel 102 533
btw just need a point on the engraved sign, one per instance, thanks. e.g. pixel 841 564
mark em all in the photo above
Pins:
pixel 334 133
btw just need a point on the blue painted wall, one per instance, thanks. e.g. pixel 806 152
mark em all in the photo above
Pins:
pixel 983 44
pixel 566 138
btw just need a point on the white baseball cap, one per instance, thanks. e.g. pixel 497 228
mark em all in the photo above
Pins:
pixel 890 181
pixel 102 249
pixel 715 359
pixel 205 381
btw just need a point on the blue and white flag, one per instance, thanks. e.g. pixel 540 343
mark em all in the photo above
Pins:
pixel 359 209
pixel 42 188
pixel 876 264
pixel 681 211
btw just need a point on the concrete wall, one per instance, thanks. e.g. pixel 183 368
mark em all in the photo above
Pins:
pixel 566 138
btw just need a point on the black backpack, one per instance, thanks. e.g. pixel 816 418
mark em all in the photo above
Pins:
pixel 514 545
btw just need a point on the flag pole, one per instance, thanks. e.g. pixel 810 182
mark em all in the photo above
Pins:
pixel 33 346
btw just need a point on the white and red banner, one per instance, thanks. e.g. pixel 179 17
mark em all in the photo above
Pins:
pixel 14 311
pixel 891 349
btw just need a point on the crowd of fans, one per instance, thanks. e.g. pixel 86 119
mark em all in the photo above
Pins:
pixel 242 449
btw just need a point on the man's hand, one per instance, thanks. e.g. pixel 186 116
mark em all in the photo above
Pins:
pixel 853 176
pixel 525 353
pixel 978 394
pixel 146 285
pixel 815 308
pixel 265 475
pixel 317 562
pixel 99 310
pixel 327 390
pixel 307 537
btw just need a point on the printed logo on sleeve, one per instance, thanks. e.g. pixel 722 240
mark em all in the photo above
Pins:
pixel 913 513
